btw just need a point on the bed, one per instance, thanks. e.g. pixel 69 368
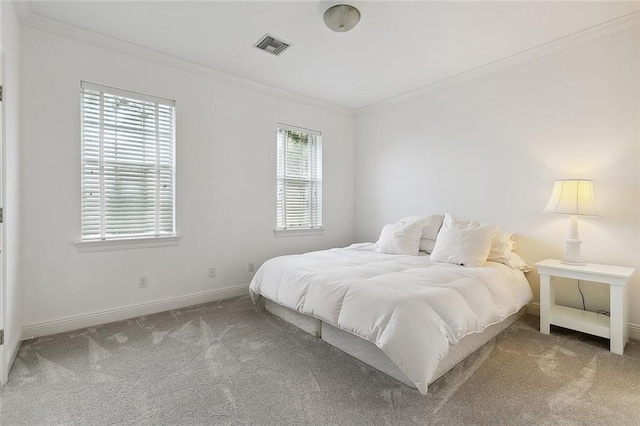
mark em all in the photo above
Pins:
pixel 406 315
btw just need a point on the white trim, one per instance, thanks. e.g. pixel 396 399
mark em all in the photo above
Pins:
pixel 92 319
pixel 298 232
pixel 126 93
pixel 298 129
pixel 634 331
pixel 43 23
pixel 14 355
pixel 509 61
pixel 534 309
pixel 125 243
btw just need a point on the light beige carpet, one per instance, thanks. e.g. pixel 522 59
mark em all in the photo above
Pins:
pixel 229 363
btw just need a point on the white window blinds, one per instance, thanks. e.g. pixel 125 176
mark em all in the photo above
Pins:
pixel 299 178
pixel 128 168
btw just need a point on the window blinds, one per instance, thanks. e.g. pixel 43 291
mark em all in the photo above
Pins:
pixel 128 172
pixel 299 178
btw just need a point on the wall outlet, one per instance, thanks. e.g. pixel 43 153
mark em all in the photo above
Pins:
pixel 212 272
pixel 251 267
pixel 143 282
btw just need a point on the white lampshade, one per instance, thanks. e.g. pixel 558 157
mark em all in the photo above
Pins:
pixel 573 197
pixel 342 17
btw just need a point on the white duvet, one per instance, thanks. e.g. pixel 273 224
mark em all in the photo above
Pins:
pixel 409 307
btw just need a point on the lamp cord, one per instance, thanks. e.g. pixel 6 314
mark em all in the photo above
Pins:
pixel 584 308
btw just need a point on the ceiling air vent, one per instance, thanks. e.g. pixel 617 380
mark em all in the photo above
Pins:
pixel 271 44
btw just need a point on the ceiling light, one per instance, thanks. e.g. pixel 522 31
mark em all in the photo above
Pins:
pixel 342 17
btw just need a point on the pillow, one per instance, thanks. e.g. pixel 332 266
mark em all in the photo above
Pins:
pixel 501 247
pixel 400 238
pixel 517 263
pixel 430 227
pixel 465 243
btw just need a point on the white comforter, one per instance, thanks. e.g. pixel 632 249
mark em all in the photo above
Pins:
pixel 409 307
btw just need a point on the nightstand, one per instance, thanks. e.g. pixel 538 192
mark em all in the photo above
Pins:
pixel 613 328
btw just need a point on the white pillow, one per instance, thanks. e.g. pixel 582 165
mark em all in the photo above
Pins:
pixel 400 238
pixel 501 247
pixel 430 227
pixel 463 242
pixel 518 263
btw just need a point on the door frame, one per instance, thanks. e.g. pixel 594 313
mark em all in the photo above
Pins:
pixel 4 371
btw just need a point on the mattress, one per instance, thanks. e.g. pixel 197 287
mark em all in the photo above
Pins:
pixel 409 307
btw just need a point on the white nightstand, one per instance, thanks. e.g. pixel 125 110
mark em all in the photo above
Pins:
pixel 613 327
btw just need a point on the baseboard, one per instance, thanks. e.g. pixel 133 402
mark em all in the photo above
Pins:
pixel 88 320
pixel 533 308
pixel 634 329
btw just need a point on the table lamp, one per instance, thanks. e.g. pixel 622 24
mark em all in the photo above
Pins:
pixel 575 198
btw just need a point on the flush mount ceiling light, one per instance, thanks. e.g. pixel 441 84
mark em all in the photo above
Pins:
pixel 341 17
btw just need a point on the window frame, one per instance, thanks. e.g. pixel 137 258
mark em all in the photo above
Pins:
pixel 301 231
pixel 106 243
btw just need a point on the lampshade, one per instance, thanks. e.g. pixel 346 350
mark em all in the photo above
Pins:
pixel 341 17
pixel 573 197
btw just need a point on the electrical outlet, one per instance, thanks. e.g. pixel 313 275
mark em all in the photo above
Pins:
pixel 212 272
pixel 143 282
pixel 251 267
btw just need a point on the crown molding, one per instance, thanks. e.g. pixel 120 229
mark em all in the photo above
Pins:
pixel 53 26
pixel 509 61
pixel 32 20
pixel 23 11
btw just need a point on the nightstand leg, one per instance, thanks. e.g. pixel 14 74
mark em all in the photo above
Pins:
pixel 617 322
pixel 546 300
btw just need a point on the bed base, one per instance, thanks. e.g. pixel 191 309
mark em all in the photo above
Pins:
pixel 370 354
pixel 309 324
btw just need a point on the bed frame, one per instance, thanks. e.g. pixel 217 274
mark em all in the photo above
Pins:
pixel 370 354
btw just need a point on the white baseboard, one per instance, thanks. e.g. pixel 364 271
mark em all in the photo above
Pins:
pixel 634 329
pixel 533 308
pixel 88 320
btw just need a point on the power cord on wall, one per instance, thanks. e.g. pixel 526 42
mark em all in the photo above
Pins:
pixel 584 308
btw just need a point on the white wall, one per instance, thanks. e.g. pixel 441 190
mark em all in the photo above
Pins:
pixel 489 149
pixel 226 166
pixel 12 300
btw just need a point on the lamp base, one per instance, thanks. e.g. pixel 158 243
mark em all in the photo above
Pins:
pixel 572 255
pixel 579 262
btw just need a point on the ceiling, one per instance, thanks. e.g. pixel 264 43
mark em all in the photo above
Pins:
pixel 397 47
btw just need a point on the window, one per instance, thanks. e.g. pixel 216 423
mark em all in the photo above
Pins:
pixel 128 164
pixel 299 179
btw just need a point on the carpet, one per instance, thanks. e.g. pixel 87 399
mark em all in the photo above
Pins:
pixel 229 362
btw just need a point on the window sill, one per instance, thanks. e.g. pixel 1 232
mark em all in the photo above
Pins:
pixel 125 243
pixel 298 232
